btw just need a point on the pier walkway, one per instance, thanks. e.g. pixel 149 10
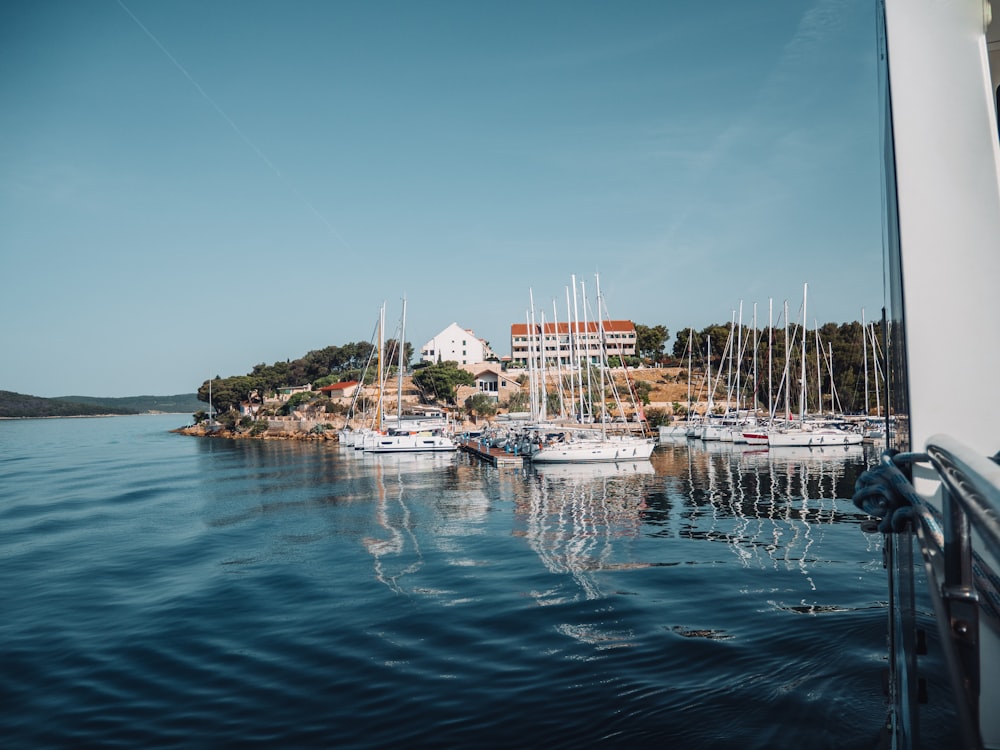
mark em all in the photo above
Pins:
pixel 496 456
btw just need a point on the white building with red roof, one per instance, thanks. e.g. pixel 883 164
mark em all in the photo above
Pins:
pixel 347 389
pixel 565 343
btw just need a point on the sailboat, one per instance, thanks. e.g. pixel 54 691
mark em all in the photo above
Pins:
pixel 808 434
pixel 399 438
pixel 568 445
pixel 681 429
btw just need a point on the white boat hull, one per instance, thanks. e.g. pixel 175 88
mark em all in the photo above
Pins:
pixel 611 450
pixel 812 438
pixel 411 444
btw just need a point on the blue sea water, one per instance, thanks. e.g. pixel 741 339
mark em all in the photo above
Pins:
pixel 162 590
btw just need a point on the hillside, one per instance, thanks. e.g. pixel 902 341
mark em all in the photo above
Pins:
pixel 14 405
pixel 182 403
pixel 20 405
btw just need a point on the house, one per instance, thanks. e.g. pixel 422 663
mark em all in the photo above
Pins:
pixel 456 344
pixel 565 343
pixel 286 392
pixel 344 390
pixel 491 380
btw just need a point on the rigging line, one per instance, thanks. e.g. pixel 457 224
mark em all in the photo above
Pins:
pixel 229 121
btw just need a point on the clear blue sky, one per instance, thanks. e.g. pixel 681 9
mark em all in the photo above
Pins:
pixel 189 188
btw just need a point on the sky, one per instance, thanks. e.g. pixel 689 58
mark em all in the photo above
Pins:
pixel 191 188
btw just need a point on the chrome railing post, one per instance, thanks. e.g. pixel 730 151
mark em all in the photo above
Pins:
pixel 959 597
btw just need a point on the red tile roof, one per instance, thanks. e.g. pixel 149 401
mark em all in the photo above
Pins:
pixel 339 386
pixel 521 329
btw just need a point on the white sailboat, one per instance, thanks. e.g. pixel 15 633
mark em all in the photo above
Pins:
pixel 561 444
pixel 403 438
pixel 810 433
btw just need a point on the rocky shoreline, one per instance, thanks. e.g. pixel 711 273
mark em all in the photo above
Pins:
pixel 218 431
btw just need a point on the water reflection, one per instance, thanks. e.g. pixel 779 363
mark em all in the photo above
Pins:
pixel 576 516
pixel 764 505
pixel 392 515
pixel 768 509
pixel 421 500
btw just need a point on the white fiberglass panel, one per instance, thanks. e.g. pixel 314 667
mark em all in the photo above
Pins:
pixel 948 187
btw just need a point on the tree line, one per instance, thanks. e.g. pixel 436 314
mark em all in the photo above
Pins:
pixel 841 363
pixel 835 363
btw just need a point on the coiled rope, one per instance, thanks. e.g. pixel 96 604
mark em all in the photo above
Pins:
pixel 885 493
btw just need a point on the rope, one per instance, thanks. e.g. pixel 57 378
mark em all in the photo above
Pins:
pixel 885 493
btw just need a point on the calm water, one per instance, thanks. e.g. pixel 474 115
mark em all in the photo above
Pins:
pixel 166 590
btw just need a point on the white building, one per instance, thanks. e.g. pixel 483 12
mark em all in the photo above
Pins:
pixel 455 344
pixel 564 344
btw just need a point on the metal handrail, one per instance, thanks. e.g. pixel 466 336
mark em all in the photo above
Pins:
pixel 970 500
pixel 974 482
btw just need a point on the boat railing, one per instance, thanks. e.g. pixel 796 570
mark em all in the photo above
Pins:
pixel 957 526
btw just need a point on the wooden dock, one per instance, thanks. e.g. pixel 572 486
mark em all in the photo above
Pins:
pixel 496 456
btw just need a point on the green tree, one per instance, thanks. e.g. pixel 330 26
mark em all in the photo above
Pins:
pixel 392 354
pixel 689 339
pixel 642 390
pixel 650 341
pixel 657 417
pixel 480 404
pixel 440 381
pixel 229 393
pixel 518 402
pixel 296 400
pixel 552 402
pixel 324 381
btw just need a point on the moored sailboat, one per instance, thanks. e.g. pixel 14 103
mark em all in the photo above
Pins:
pixel 425 438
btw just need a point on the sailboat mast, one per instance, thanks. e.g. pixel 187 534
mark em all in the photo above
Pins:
pixel 739 358
pixel 539 367
pixel 878 399
pixel 864 356
pixel 399 386
pixel 558 363
pixel 770 357
pixel 532 393
pixel 802 389
pixel 729 350
pixel 586 348
pixel 603 356
pixel 542 377
pixel 819 372
pixel 711 387
pixel 381 374
pixel 572 355
pixel 788 356
pixel 576 338
pixel 833 384
pixel 690 338
pixel 756 347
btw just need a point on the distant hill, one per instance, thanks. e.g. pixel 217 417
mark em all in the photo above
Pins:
pixel 182 403
pixel 21 405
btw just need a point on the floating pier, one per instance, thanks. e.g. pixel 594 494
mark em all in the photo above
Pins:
pixel 496 456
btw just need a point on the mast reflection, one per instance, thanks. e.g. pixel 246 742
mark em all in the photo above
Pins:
pixel 767 506
pixel 577 517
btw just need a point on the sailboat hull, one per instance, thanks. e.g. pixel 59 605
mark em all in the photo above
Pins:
pixel 610 450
